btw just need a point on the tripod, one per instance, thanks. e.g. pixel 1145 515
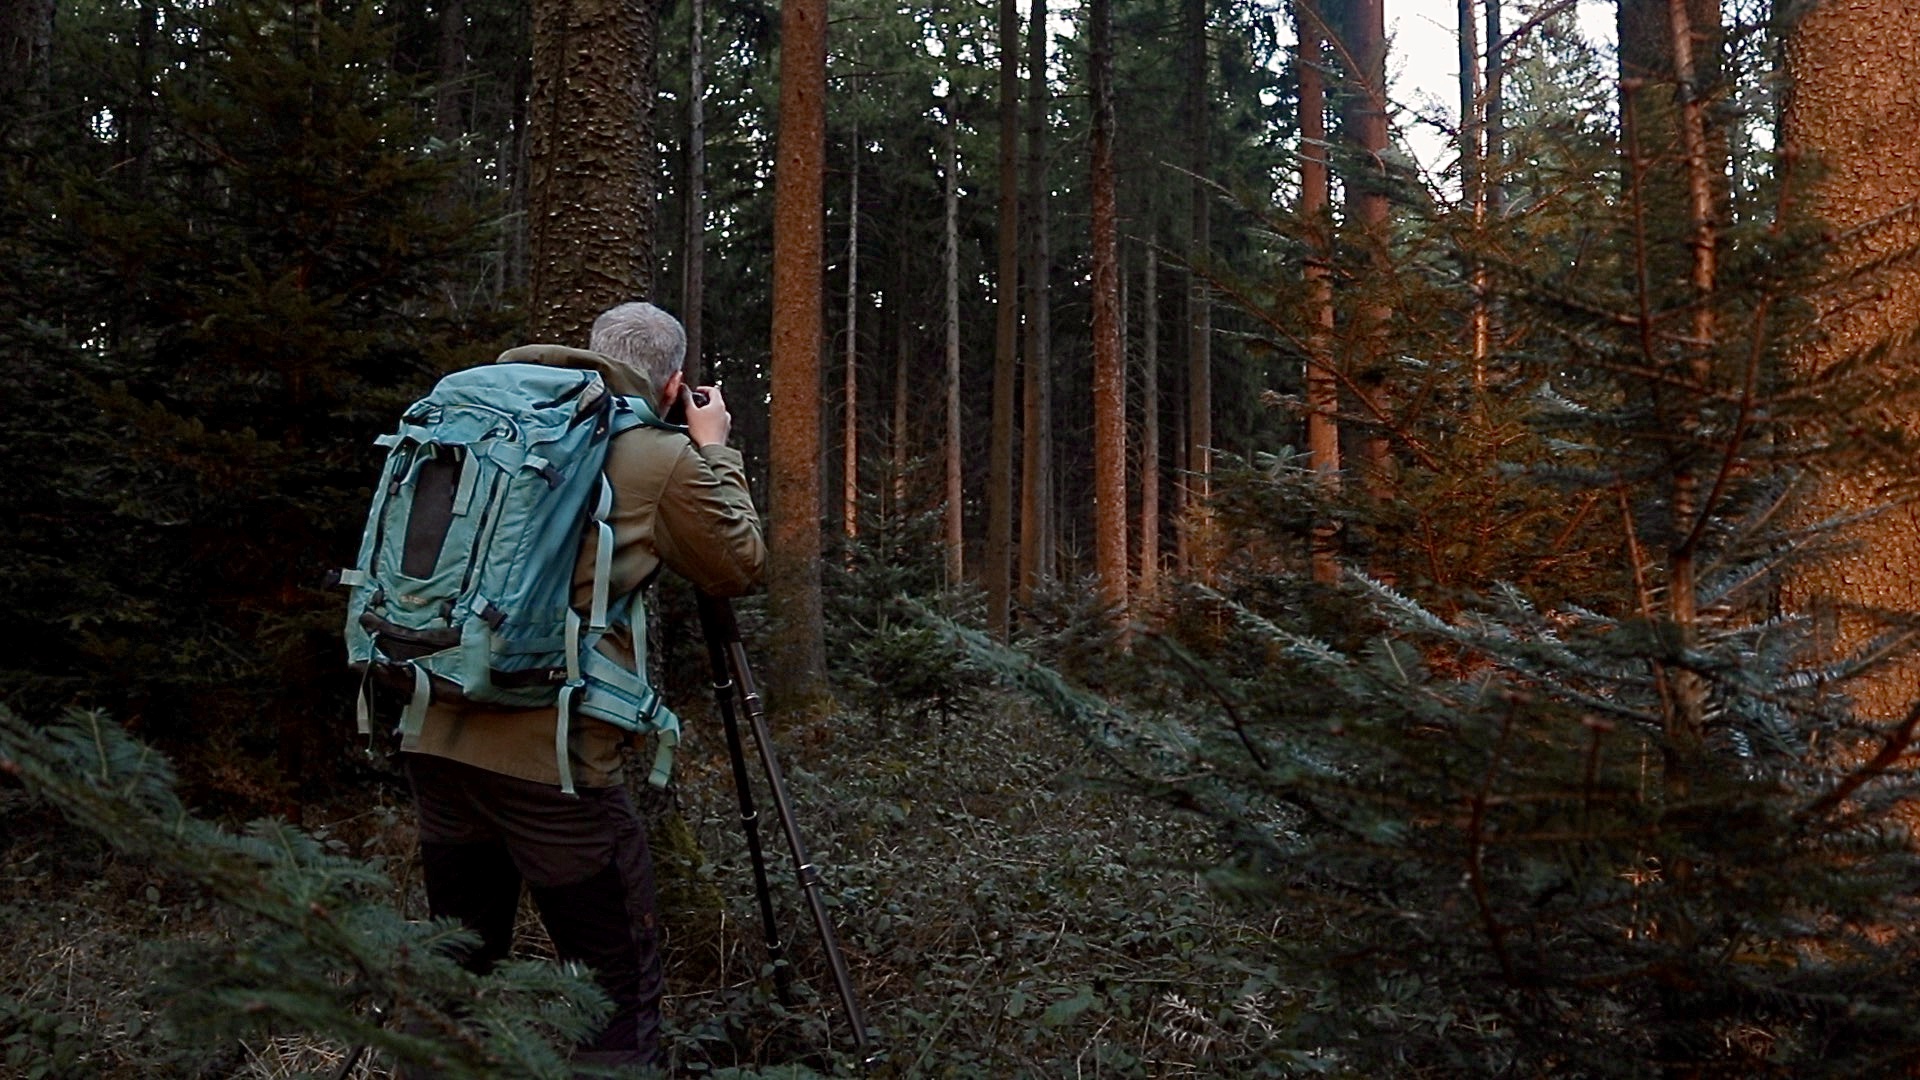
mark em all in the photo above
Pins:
pixel 733 677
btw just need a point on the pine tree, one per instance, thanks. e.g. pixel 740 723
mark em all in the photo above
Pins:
pixel 314 945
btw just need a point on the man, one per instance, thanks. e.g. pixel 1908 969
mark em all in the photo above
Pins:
pixel 486 779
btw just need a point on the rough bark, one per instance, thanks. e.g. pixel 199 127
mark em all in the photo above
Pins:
pixel 590 212
pixel 793 557
pixel 998 563
pixel 1322 385
pixel 1854 106
pixel 1109 364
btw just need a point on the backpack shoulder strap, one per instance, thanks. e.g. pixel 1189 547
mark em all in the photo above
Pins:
pixel 631 412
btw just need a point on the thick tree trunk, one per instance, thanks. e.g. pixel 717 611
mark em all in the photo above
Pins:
pixel 1036 462
pixel 1109 363
pixel 590 213
pixel 1322 385
pixel 1854 105
pixel 796 643
pixel 693 245
pixel 998 564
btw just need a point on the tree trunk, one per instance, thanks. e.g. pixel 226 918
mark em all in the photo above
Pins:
pixel 902 355
pixel 850 387
pixel 449 118
pixel 796 643
pixel 1322 386
pixel 1368 213
pixel 1006 338
pixel 693 246
pixel 1666 51
pixel 1036 462
pixel 1199 112
pixel 1150 422
pixel 1109 365
pixel 590 212
pixel 1494 114
pixel 1854 105
pixel 26 51
pixel 956 522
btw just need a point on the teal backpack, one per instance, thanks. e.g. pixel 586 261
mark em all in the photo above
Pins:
pixel 462 588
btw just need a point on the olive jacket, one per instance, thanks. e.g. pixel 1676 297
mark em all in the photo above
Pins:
pixel 675 505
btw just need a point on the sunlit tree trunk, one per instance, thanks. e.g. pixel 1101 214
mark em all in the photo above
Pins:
pixel 1322 386
pixel 1036 461
pixel 1473 105
pixel 1850 120
pixel 796 643
pixel 1109 364
pixel 999 554
pixel 590 205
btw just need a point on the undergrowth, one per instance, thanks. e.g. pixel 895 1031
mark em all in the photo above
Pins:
pixel 1001 917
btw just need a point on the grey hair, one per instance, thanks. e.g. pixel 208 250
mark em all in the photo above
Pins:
pixel 643 337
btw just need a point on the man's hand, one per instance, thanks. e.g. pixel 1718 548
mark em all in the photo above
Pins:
pixel 710 423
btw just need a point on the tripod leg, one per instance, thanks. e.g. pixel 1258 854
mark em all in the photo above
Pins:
pixel 715 623
pixel 808 874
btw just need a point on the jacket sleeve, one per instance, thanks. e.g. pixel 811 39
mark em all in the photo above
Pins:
pixel 706 529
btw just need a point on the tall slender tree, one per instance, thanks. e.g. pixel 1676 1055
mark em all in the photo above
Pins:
pixel 956 503
pixel 693 247
pixel 1109 362
pixel 1321 381
pixel 850 380
pixel 1199 119
pixel 1363 47
pixel 1149 545
pixel 797 643
pixel 997 565
pixel 590 210
pixel 1036 460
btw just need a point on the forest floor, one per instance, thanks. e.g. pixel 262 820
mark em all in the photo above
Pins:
pixel 1001 915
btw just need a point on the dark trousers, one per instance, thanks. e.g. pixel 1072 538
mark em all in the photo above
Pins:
pixel 585 861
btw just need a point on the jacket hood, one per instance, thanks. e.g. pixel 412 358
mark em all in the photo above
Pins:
pixel 626 380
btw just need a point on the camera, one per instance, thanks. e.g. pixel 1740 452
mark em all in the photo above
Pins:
pixel 677 412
